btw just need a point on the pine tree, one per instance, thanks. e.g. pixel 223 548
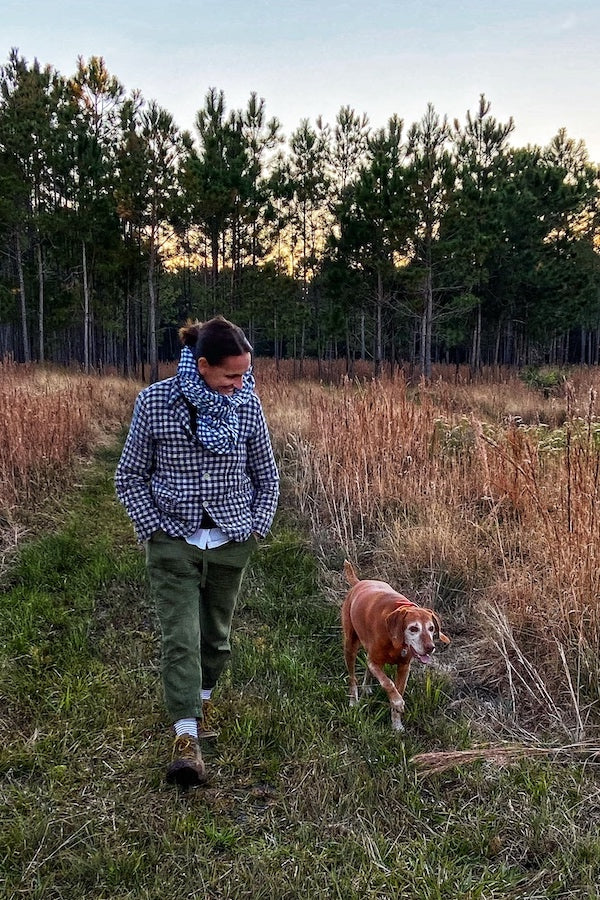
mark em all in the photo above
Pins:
pixel 431 176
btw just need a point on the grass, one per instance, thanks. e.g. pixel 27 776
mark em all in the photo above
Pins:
pixel 307 797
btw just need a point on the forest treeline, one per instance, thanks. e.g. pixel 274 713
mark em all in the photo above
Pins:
pixel 424 242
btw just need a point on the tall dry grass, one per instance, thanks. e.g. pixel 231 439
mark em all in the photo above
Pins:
pixel 478 496
pixel 50 419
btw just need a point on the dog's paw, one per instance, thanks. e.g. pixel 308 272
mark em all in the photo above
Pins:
pixel 397 705
pixel 396 721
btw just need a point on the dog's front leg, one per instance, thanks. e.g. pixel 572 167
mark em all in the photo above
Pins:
pixel 395 698
pixel 402 672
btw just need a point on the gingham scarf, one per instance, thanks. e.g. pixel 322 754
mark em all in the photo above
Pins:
pixel 218 425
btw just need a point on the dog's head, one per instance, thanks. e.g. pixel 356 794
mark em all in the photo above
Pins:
pixel 415 628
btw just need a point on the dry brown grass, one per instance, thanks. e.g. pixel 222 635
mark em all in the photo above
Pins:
pixel 501 755
pixel 447 490
pixel 50 418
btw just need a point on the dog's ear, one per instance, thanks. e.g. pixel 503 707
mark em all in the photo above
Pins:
pixel 395 623
pixel 441 635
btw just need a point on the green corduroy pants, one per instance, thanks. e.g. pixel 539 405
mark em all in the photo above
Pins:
pixel 195 592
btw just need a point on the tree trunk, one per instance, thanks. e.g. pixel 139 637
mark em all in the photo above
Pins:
pixel 427 325
pixel 128 360
pixel 276 340
pixel 152 310
pixel 378 326
pixel 302 348
pixel 499 330
pixel 40 263
pixel 349 352
pixel 476 347
pixel 86 310
pixel 363 338
pixel 214 259
pixel 24 330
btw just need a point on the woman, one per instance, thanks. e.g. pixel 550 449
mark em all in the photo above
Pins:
pixel 198 479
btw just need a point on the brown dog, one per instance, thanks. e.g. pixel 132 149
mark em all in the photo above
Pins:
pixel 392 630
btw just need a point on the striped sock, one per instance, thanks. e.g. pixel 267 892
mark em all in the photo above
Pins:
pixel 186 726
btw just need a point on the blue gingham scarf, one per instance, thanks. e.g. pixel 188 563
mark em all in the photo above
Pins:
pixel 218 425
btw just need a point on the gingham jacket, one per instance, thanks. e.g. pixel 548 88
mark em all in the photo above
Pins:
pixel 165 478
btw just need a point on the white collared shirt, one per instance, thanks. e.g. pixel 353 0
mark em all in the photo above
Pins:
pixel 208 538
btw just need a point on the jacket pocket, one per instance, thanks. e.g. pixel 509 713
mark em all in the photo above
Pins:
pixel 165 498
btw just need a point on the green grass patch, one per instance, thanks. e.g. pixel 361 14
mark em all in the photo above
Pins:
pixel 307 796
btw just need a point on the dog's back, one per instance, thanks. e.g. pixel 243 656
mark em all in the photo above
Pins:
pixel 367 585
pixel 364 598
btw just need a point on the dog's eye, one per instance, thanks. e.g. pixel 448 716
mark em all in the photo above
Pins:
pixel 414 628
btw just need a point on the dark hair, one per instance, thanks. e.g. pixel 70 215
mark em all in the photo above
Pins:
pixel 215 340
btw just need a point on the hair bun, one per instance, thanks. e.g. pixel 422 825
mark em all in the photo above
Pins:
pixel 189 333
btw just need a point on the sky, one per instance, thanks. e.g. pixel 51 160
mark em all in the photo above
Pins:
pixel 535 60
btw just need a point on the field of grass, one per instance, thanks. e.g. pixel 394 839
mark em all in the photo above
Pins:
pixel 308 797
pixel 479 498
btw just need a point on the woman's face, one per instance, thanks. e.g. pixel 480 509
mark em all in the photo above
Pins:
pixel 226 377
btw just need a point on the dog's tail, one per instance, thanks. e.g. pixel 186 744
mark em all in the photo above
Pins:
pixel 351 576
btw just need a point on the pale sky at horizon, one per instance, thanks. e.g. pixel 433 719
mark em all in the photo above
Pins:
pixel 535 61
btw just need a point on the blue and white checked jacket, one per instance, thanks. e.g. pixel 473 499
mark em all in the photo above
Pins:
pixel 166 478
